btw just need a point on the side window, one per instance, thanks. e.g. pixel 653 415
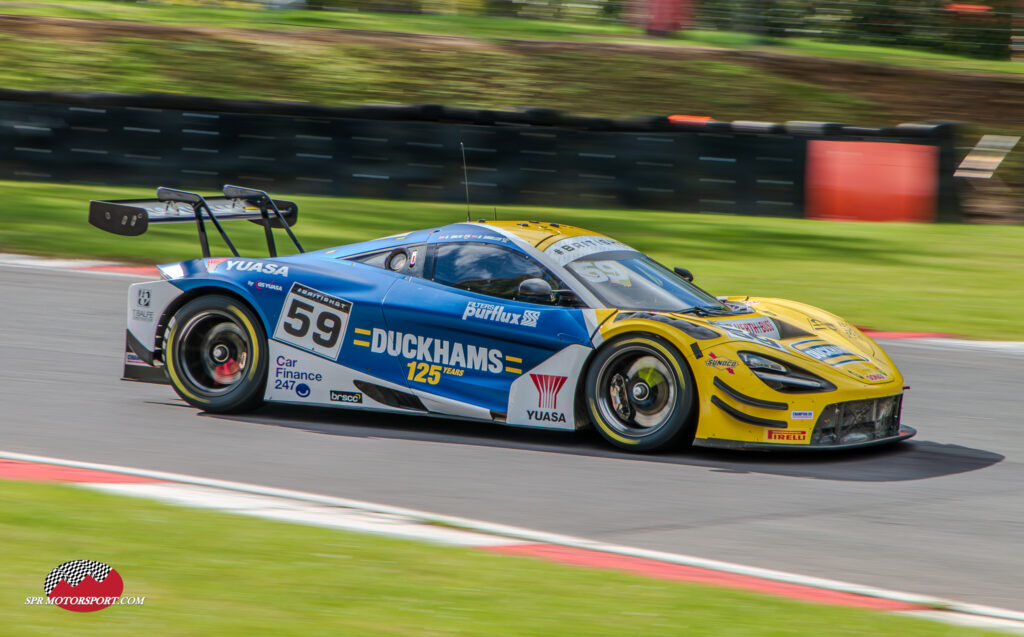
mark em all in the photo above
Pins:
pixel 404 259
pixel 376 259
pixel 487 269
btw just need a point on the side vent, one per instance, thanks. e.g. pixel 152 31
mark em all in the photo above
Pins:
pixel 390 397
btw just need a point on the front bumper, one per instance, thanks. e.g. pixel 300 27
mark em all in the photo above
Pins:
pixel 850 424
pixel 903 433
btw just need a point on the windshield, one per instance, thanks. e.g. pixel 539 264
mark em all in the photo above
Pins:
pixel 628 280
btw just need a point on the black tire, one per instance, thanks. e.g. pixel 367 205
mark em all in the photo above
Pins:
pixel 216 354
pixel 640 394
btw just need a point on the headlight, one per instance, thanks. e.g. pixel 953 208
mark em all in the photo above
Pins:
pixel 757 362
pixel 784 377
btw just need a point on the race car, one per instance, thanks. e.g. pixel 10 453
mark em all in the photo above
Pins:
pixel 526 323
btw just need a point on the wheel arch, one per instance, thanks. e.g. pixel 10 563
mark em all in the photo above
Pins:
pixel 654 330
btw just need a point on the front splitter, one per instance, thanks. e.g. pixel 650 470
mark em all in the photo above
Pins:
pixel 721 443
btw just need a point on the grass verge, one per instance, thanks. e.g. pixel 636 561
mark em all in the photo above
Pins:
pixel 468 24
pixel 331 70
pixel 211 573
pixel 945 278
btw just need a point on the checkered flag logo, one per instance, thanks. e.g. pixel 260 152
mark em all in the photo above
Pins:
pixel 83 586
pixel 74 572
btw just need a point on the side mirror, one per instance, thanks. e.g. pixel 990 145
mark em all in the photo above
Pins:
pixel 568 298
pixel 684 274
pixel 536 290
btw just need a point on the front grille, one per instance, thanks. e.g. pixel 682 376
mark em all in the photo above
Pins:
pixel 858 421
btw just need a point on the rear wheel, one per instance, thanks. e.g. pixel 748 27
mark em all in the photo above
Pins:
pixel 217 354
pixel 640 394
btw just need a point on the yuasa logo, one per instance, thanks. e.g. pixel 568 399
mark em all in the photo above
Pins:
pixel 535 415
pixel 83 586
pixel 255 266
pixel 548 388
pixel 266 285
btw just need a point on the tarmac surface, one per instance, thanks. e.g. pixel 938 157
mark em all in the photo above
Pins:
pixel 942 514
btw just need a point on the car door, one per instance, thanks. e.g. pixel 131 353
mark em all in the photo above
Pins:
pixel 462 334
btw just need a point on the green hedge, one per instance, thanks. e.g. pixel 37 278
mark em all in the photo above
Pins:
pixel 923 24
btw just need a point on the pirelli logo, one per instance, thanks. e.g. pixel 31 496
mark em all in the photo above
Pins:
pixel 787 436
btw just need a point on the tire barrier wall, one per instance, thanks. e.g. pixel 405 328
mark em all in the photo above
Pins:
pixel 533 157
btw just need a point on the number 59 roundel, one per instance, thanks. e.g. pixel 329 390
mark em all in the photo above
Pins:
pixel 313 321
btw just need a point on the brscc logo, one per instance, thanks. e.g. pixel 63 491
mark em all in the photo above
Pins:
pixel 83 586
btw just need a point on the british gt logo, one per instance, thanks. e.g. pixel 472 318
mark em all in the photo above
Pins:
pixel 548 388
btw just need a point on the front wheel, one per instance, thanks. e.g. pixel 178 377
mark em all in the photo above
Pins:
pixel 216 354
pixel 640 394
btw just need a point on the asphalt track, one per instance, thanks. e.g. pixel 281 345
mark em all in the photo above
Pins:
pixel 941 515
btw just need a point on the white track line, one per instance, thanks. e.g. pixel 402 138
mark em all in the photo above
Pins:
pixel 298 512
pixel 9 258
pixel 961 619
pixel 77 266
pixel 1014 348
pixel 532 535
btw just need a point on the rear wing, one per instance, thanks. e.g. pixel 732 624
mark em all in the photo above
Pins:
pixel 131 217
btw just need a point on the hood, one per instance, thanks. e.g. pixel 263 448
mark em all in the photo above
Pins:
pixel 817 337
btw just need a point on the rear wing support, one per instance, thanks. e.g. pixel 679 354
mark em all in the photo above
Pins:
pixel 266 204
pixel 131 217
pixel 198 206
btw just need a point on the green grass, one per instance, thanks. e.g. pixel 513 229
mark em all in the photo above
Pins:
pixel 961 279
pixel 877 55
pixel 465 24
pixel 209 573
pixel 468 23
pixel 481 75
pixel 481 62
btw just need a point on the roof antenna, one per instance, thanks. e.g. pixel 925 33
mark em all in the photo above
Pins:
pixel 465 175
pixel 495 213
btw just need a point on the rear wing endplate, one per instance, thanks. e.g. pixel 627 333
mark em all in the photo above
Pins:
pixel 131 217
